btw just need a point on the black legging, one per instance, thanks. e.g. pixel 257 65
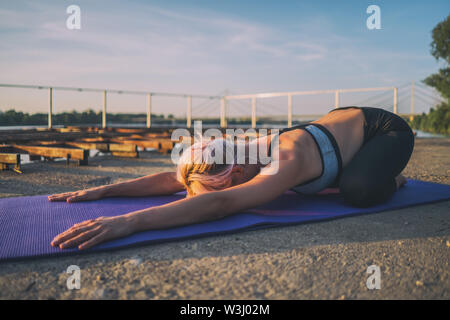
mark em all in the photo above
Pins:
pixel 369 178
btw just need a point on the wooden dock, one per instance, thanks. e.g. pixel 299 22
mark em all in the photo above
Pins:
pixel 74 143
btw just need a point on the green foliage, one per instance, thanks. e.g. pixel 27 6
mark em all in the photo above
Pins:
pixel 436 121
pixel 89 117
pixel 440 81
pixel 14 118
pixel 440 47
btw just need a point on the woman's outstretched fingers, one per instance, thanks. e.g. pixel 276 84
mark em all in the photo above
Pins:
pixel 80 238
pixel 93 241
pixel 60 196
pixel 92 232
pixel 81 195
pixel 72 232
pixel 75 198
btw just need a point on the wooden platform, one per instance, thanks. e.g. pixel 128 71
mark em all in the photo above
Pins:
pixel 74 143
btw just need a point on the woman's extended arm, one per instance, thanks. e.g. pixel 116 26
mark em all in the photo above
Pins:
pixel 156 184
pixel 203 207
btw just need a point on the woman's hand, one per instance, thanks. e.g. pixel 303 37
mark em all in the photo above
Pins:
pixel 92 232
pixel 81 195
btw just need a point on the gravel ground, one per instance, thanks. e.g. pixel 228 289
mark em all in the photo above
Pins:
pixel 326 260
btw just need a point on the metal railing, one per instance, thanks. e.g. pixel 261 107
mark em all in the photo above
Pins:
pixel 223 100
pixel 289 95
pixel 105 92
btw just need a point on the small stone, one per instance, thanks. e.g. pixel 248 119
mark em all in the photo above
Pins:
pixel 195 246
pixel 30 285
pixel 99 293
pixel 100 277
pixel 141 295
pixel 135 261
pixel 166 287
pixel 419 283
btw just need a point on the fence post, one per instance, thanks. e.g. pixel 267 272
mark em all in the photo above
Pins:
pixel 223 121
pixel 395 100
pixel 104 110
pixel 149 109
pixel 289 110
pixel 253 112
pixel 50 107
pixel 189 111
pixel 336 99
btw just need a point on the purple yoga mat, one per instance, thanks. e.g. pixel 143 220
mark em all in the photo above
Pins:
pixel 28 224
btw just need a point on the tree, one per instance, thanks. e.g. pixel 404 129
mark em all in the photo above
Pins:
pixel 438 120
pixel 440 49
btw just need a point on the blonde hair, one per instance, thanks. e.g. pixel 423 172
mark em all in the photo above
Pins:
pixel 198 169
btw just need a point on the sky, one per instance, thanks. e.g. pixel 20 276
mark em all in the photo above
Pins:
pixel 207 47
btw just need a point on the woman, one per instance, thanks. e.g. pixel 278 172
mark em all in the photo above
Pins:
pixel 360 150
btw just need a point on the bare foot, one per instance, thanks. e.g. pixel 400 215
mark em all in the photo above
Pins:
pixel 400 180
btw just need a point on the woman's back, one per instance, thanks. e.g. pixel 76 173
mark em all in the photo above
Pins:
pixel 347 127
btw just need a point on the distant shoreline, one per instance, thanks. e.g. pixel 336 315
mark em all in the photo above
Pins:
pixel 419 133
